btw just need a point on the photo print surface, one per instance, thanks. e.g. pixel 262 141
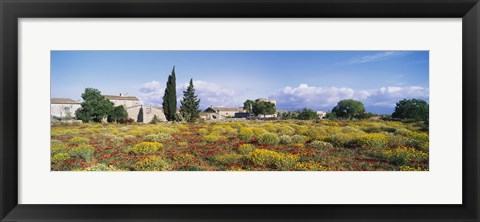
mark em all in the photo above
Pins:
pixel 239 110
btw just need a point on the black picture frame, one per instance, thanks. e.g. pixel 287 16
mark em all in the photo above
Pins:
pixel 12 10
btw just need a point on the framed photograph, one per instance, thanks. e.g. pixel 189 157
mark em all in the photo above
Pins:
pixel 224 110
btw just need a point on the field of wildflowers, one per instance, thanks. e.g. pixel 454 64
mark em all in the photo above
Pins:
pixel 327 145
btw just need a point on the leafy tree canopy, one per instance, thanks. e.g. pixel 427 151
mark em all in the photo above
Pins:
pixel 415 109
pixel 119 114
pixel 94 107
pixel 349 109
pixel 248 106
pixel 263 108
pixel 307 114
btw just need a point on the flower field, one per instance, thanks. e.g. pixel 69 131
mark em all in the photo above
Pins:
pixel 342 145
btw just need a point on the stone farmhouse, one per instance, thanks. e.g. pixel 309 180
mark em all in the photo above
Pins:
pixel 224 111
pixel 135 110
pixel 123 100
pixel 213 112
pixel 63 107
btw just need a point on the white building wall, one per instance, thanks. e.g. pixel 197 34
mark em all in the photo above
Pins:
pixel 63 110
pixel 149 112
pixel 227 113
pixel 126 103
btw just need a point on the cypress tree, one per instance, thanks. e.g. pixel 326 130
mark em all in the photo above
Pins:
pixel 189 106
pixel 170 97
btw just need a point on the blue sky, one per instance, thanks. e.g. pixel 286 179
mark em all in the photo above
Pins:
pixel 296 79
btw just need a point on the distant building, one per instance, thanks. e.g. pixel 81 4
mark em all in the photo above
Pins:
pixel 224 111
pixel 321 114
pixel 145 114
pixel 135 110
pixel 123 100
pixel 242 115
pixel 63 107
pixel 266 100
pixel 209 116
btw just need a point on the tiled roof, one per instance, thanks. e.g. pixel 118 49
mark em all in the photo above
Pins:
pixel 227 109
pixel 63 101
pixel 110 97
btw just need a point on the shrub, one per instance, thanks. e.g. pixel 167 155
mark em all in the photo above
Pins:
pixel 320 144
pixel 298 139
pixel 409 168
pixel 151 163
pixel 229 158
pixel 419 140
pixel 230 130
pixel 117 140
pixel 84 151
pixel 60 157
pixel 101 167
pixel 285 139
pixel 183 144
pixel 403 155
pixel 210 138
pixel 58 148
pixel 218 130
pixel 146 148
pixel 245 134
pixel 258 131
pixel 79 140
pixel 342 140
pixel 202 131
pixel 372 140
pixel 397 141
pixel 155 120
pixel 309 166
pixel 246 148
pixel 316 134
pixel 262 157
pixel 130 137
pixel 349 129
pixel 161 129
pixel 161 137
pixel 286 130
pixel 151 138
pixel 268 139
pixel 269 158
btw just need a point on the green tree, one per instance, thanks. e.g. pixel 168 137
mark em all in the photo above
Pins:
pixel 119 114
pixel 331 115
pixel 263 108
pixel 349 109
pixel 288 115
pixel 140 115
pixel 189 106
pixel 248 106
pixel 155 119
pixel 94 107
pixel 307 114
pixel 170 97
pixel 414 109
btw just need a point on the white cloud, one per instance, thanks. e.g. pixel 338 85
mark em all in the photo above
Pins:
pixel 373 58
pixel 321 98
pixel 211 94
pixel 151 93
